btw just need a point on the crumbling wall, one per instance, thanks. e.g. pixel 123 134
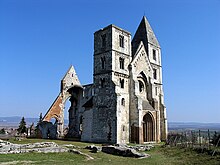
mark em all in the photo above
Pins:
pixel 48 130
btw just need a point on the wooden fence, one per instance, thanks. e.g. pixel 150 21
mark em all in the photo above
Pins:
pixel 196 140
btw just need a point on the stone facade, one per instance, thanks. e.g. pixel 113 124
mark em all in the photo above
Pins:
pixel 125 103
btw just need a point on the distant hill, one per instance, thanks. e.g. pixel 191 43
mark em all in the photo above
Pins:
pixel 172 126
pixel 193 126
pixel 15 120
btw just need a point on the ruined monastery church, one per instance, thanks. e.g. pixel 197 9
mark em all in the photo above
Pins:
pixel 125 103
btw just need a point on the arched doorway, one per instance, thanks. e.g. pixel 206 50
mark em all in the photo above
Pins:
pixel 148 128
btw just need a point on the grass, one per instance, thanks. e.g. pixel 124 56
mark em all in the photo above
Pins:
pixel 159 156
pixel 41 158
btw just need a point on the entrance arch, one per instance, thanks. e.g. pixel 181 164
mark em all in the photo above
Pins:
pixel 148 128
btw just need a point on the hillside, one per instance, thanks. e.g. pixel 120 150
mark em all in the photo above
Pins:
pixel 172 126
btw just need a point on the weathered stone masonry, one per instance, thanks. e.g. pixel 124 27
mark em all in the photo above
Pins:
pixel 125 103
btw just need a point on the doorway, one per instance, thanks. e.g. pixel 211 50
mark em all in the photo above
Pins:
pixel 148 128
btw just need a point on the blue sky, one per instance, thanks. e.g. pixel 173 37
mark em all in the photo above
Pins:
pixel 40 39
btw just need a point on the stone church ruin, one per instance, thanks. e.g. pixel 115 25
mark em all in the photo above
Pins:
pixel 125 103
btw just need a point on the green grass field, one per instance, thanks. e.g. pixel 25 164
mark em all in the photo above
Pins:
pixel 159 155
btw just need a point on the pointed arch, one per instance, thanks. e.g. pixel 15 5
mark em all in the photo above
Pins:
pixel 147 86
pixel 148 127
pixel 144 77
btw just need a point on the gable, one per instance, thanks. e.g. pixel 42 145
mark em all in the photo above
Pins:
pixel 141 63
pixel 70 79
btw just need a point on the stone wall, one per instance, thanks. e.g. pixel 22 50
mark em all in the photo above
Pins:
pixel 87 125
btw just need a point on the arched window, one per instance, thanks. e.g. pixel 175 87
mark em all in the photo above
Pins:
pixel 141 86
pixel 121 41
pixel 123 101
pixel 122 83
pixel 121 62
pixel 103 62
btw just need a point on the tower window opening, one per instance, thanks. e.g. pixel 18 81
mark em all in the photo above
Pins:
pixel 122 83
pixel 103 40
pixel 102 81
pixel 123 101
pixel 156 91
pixel 155 73
pixel 154 55
pixel 123 128
pixel 121 62
pixel 121 41
pixel 103 62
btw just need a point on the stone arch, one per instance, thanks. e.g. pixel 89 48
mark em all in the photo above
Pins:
pixel 147 86
pixel 148 128
pixel 144 77
pixel 54 119
pixel 73 94
pixel 143 84
pixel 73 112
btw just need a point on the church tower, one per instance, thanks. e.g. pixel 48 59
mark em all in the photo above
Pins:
pixel 146 35
pixel 112 55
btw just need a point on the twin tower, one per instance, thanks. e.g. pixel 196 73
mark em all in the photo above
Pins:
pixel 125 103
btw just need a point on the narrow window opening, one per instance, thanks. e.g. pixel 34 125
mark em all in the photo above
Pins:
pixel 123 128
pixel 155 73
pixel 156 91
pixel 102 80
pixel 122 83
pixel 154 55
pixel 123 101
pixel 103 40
pixel 153 104
pixel 121 62
pixel 121 41
pixel 103 62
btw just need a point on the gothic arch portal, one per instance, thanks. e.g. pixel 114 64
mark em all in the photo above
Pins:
pixel 148 128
